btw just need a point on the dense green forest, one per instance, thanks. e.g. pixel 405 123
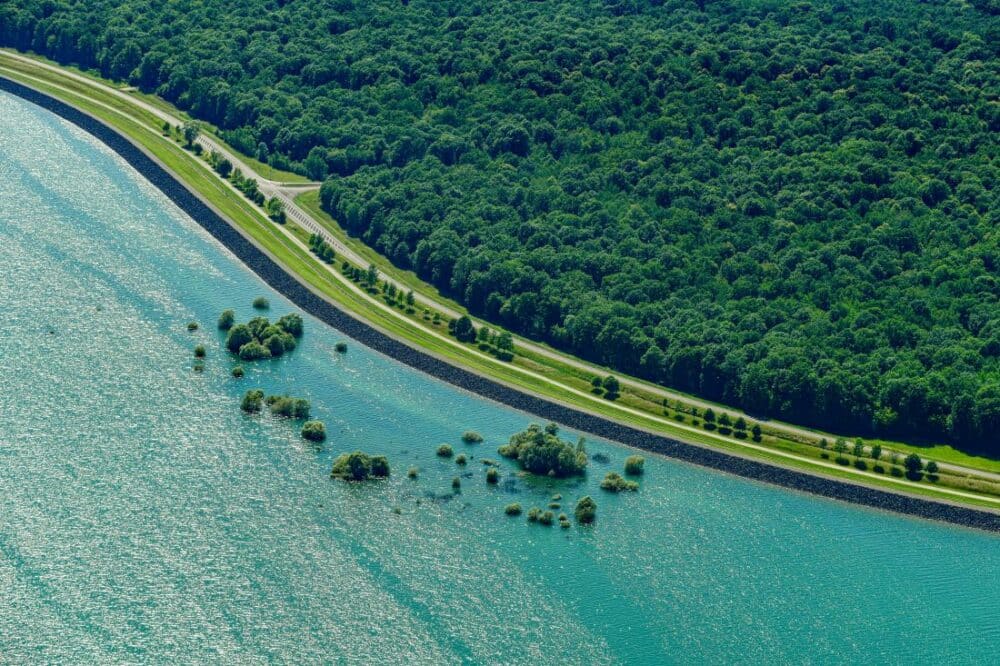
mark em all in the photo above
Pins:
pixel 788 206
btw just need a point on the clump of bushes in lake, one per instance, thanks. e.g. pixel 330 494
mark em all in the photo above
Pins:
pixel 471 437
pixel 359 466
pixel 259 338
pixel 512 509
pixel 540 451
pixel 445 451
pixel 586 510
pixel 314 431
pixel 615 482
pixel 253 400
pixel 287 407
pixel 283 405
pixel 226 320
pixel 634 465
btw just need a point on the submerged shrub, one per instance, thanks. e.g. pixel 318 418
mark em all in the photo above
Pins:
pixel 340 347
pixel 238 336
pixel 586 510
pixel 192 326
pixel 492 476
pixel 199 351
pixel 634 465
pixel 293 408
pixel 314 431
pixel 258 325
pixel 380 467
pixel 542 452
pixel 254 351
pixel 615 482
pixel 533 514
pixel 227 319
pixel 199 367
pixel 460 459
pixel 471 437
pixel 512 509
pixel 261 303
pixel 238 371
pixel 412 473
pixel 291 323
pixel 547 518
pixel 445 451
pixel 252 401
pixel 456 483
pixel 359 466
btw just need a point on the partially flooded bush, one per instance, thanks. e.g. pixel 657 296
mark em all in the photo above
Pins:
pixel 540 451
pixel 634 465
pixel 292 323
pixel 227 319
pixel 314 431
pixel 512 509
pixel 359 466
pixel 253 400
pixel 445 451
pixel 471 437
pixel 293 408
pixel 254 351
pixel 238 336
pixel 586 510
pixel 492 476
pixel 616 483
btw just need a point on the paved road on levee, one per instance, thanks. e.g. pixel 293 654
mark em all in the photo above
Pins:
pixel 287 192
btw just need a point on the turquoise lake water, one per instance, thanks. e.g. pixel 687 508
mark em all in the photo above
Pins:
pixel 144 518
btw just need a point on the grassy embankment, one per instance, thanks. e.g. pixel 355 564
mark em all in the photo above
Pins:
pixel 538 375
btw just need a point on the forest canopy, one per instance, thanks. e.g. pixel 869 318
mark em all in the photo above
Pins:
pixel 787 206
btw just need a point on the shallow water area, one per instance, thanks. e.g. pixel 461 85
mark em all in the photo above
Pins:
pixel 143 517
